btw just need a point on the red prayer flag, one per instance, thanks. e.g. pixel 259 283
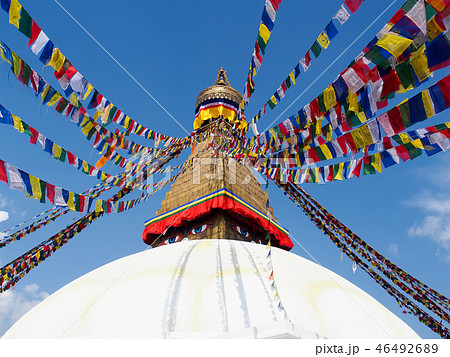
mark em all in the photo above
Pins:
pixel 51 192
pixel 444 85
pixel 353 5
pixel 71 157
pixel 275 4
pixel 395 118
pixel 35 31
pixel 3 176
pixel 34 135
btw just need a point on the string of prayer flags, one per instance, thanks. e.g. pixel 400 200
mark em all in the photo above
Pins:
pixel 288 138
pixel 265 29
pixel 56 151
pixel 348 113
pixel 358 250
pixel 12 272
pixel 39 189
pixel 103 138
pixel 322 42
pixel 74 84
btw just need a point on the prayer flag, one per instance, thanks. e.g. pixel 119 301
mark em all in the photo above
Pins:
pixel 323 40
pixel 342 15
pixel 353 5
pixel 394 44
pixel 3 175
pixel 14 13
pixel 15 181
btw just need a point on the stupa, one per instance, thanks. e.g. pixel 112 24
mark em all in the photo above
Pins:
pixel 211 272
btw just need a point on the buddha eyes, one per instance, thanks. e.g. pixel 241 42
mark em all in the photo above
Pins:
pixel 172 240
pixel 241 231
pixel 199 229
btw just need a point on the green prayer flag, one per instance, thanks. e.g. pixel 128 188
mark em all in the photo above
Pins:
pixel 320 154
pixel 43 190
pixel 405 73
pixel 262 44
pixel 412 150
pixel 25 23
pixel 26 73
pixel 271 104
pixel 375 56
pixel 429 11
pixel 62 157
pixel 368 169
pixel 316 49
pixel 404 112
pixel 408 5
pixel 322 108
pixel 288 82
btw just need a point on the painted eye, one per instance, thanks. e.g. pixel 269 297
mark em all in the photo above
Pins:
pixel 199 229
pixel 171 240
pixel 242 231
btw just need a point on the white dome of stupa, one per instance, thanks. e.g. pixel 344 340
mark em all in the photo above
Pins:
pixel 210 288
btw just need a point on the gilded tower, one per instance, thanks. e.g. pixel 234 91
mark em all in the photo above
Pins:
pixel 216 197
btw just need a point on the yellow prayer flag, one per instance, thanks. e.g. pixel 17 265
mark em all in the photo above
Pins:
pixel 427 104
pixel 128 166
pixel 357 138
pixel 365 132
pixel 338 175
pixel 394 44
pixel 376 161
pixel 404 137
pixel 329 97
pixel 104 176
pixel 44 92
pixel 326 151
pixel 352 100
pixel 85 167
pixel 323 40
pixel 57 60
pixel 89 89
pixel 35 187
pixel 433 29
pixel 17 123
pixel 74 100
pixel 17 64
pixel 362 117
pixel 57 151
pixel 55 99
pixel 97 114
pixel 264 32
pixel 417 143
pixel 419 62
pixel 99 206
pixel 14 13
pixel 319 125
pixel 126 122
pixel 70 201
pixel 105 113
pixel 292 76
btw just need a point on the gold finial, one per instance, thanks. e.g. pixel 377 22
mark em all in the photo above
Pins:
pixel 222 79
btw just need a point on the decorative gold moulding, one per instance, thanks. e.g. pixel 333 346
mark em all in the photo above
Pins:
pixel 219 92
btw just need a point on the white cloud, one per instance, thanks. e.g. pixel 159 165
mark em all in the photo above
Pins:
pixel 15 303
pixel 435 202
pixel 393 248
pixel 4 216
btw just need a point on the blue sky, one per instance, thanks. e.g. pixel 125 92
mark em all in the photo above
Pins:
pixel 174 49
